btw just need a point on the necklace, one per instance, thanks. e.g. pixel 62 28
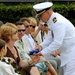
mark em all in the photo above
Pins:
pixel 6 60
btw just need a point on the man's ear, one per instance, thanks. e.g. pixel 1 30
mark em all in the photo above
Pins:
pixel 48 12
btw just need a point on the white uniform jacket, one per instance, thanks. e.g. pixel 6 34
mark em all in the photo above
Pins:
pixel 63 38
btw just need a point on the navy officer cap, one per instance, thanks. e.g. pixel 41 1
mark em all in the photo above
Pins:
pixel 42 7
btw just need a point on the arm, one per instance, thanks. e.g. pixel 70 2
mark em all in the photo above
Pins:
pixel 34 34
pixel 47 40
pixel 23 63
pixel 59 34
pixel 34 60
pixel 51 69
pixel 56 53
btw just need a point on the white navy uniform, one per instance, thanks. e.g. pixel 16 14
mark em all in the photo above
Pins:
pixel 64 38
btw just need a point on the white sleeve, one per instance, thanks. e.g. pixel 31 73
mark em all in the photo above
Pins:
pixel 7 70
pixel 47 40
pixel 59 34
pixel 1 72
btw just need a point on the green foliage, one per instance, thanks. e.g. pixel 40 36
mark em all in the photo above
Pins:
pixel 63 9
pixel 12 13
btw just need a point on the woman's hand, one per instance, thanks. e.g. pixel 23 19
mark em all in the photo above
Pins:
pixel 35 58
pixel 38 54
pixel 39 47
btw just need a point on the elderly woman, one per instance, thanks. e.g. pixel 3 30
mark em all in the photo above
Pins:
pixel 8 32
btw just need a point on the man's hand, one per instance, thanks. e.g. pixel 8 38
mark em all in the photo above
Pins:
pixel 38 54
pixel 40 25
pixel 35 58
pixel 39 47
pixel 55 53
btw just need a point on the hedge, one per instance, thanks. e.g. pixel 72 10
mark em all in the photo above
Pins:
pixel 12 13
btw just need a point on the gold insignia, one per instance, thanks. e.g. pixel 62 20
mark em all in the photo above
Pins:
pixel 41 13
pixel 54 19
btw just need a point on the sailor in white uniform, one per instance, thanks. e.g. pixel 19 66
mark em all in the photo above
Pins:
pixel 61 36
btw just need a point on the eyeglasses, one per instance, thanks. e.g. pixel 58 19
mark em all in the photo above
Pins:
pixel 21 30
pixel 27 26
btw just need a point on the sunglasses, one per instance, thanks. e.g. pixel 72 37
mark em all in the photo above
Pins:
pixel 21 30
pixel 33 26
pixel 27 26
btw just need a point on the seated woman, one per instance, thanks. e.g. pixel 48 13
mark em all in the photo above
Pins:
pixel 5 68
pixel 8 32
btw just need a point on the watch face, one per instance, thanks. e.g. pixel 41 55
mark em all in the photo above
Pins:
pixel 45 24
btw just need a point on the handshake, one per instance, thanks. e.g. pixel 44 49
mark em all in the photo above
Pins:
pixel 33 52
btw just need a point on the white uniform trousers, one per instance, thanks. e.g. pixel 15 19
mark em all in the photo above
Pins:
pixel 69 68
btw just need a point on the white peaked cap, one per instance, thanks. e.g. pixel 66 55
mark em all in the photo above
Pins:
pixel 42 6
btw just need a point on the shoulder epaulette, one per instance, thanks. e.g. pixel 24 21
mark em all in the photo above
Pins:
pixel 54 19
